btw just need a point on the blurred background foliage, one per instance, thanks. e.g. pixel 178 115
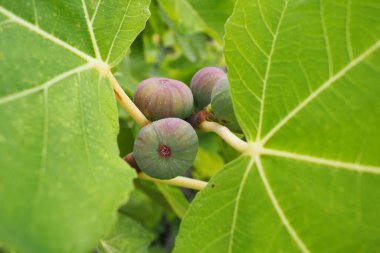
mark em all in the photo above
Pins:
pixel 181 37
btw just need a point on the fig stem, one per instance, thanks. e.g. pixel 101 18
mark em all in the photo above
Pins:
pixel 225 134
pixel 177 181
pixel 197 118
pixel 126 102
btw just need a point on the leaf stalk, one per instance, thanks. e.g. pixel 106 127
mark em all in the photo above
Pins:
pixel 185 182
pixel 225 134
pixel 126 102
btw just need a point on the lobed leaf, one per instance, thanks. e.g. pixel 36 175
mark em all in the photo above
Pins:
pixel 61 179
pixel 304 79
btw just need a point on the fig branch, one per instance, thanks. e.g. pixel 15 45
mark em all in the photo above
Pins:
pixel 167 144
pixel 126 102
pixel 177 181
pixel 225 134
pixel 136 114
pixel 201 120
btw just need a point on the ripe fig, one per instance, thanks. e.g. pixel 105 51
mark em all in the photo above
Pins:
pixel 202 84
pixel 160 98
pixel 166 148
pixel 221 104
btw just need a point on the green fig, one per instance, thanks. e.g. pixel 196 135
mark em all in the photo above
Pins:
pixel 166 148
pixel 159 98
pixel 221 105
pixel 202 84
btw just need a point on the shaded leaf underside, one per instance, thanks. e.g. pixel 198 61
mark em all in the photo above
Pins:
pixel 127 236
pixel 304 76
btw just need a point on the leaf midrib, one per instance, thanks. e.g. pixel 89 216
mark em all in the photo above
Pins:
pixel 45 85
pixel 22 22
pixel 284 220
pixel 267 70
pixel 320 89
pixel 91 31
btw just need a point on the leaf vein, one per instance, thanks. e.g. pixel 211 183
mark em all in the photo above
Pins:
pixel 95 12
pixel 118 31
pixel 322 88
pixel 44 151
pixel 45 34
pixel 45 85
pixel 241 53
pixel 278 208
pixel 322 161
pixel 327 41
pixel 91 31
pixel 263 18
pixel 6 22
pixel 237 203
pixel 348 30
pixel 267 70
pixel 35 12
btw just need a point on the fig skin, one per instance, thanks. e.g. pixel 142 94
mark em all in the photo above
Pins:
pixel 221 104
pixel 166 148
pixel 159 98
pixel 202 84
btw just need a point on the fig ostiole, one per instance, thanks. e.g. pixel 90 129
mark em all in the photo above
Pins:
pixel 166 148
pixel 159 98
pixel 221 104
pixel 202 84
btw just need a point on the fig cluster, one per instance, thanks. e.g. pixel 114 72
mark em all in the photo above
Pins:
pixel 167 147
pixel 210 84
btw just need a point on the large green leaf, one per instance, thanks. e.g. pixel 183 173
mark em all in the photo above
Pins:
pixel 61 180
pixel 305 81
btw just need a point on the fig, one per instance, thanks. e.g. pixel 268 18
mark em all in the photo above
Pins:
pixel 166 148
pixel 159 98
pixel 202 84
pixel 221 105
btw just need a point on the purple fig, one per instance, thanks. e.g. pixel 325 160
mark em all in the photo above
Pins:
pixel 202 84
pixel 160 98
pixel 221 105
pixel 166 148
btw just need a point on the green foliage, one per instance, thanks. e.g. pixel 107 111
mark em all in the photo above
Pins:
pixel 126 236
pixel 190 16
pixel 61 178
pixel 304 80
pixel 143 209
pixel 175 198
pixel 168 197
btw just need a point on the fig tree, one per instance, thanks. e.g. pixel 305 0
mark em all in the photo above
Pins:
pixel 202 84
pixel 160 98
pixel 221 104
pixel 166 148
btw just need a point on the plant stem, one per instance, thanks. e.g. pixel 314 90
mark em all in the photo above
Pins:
pixel 126 102
pixel 177 181
pixel 225 134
